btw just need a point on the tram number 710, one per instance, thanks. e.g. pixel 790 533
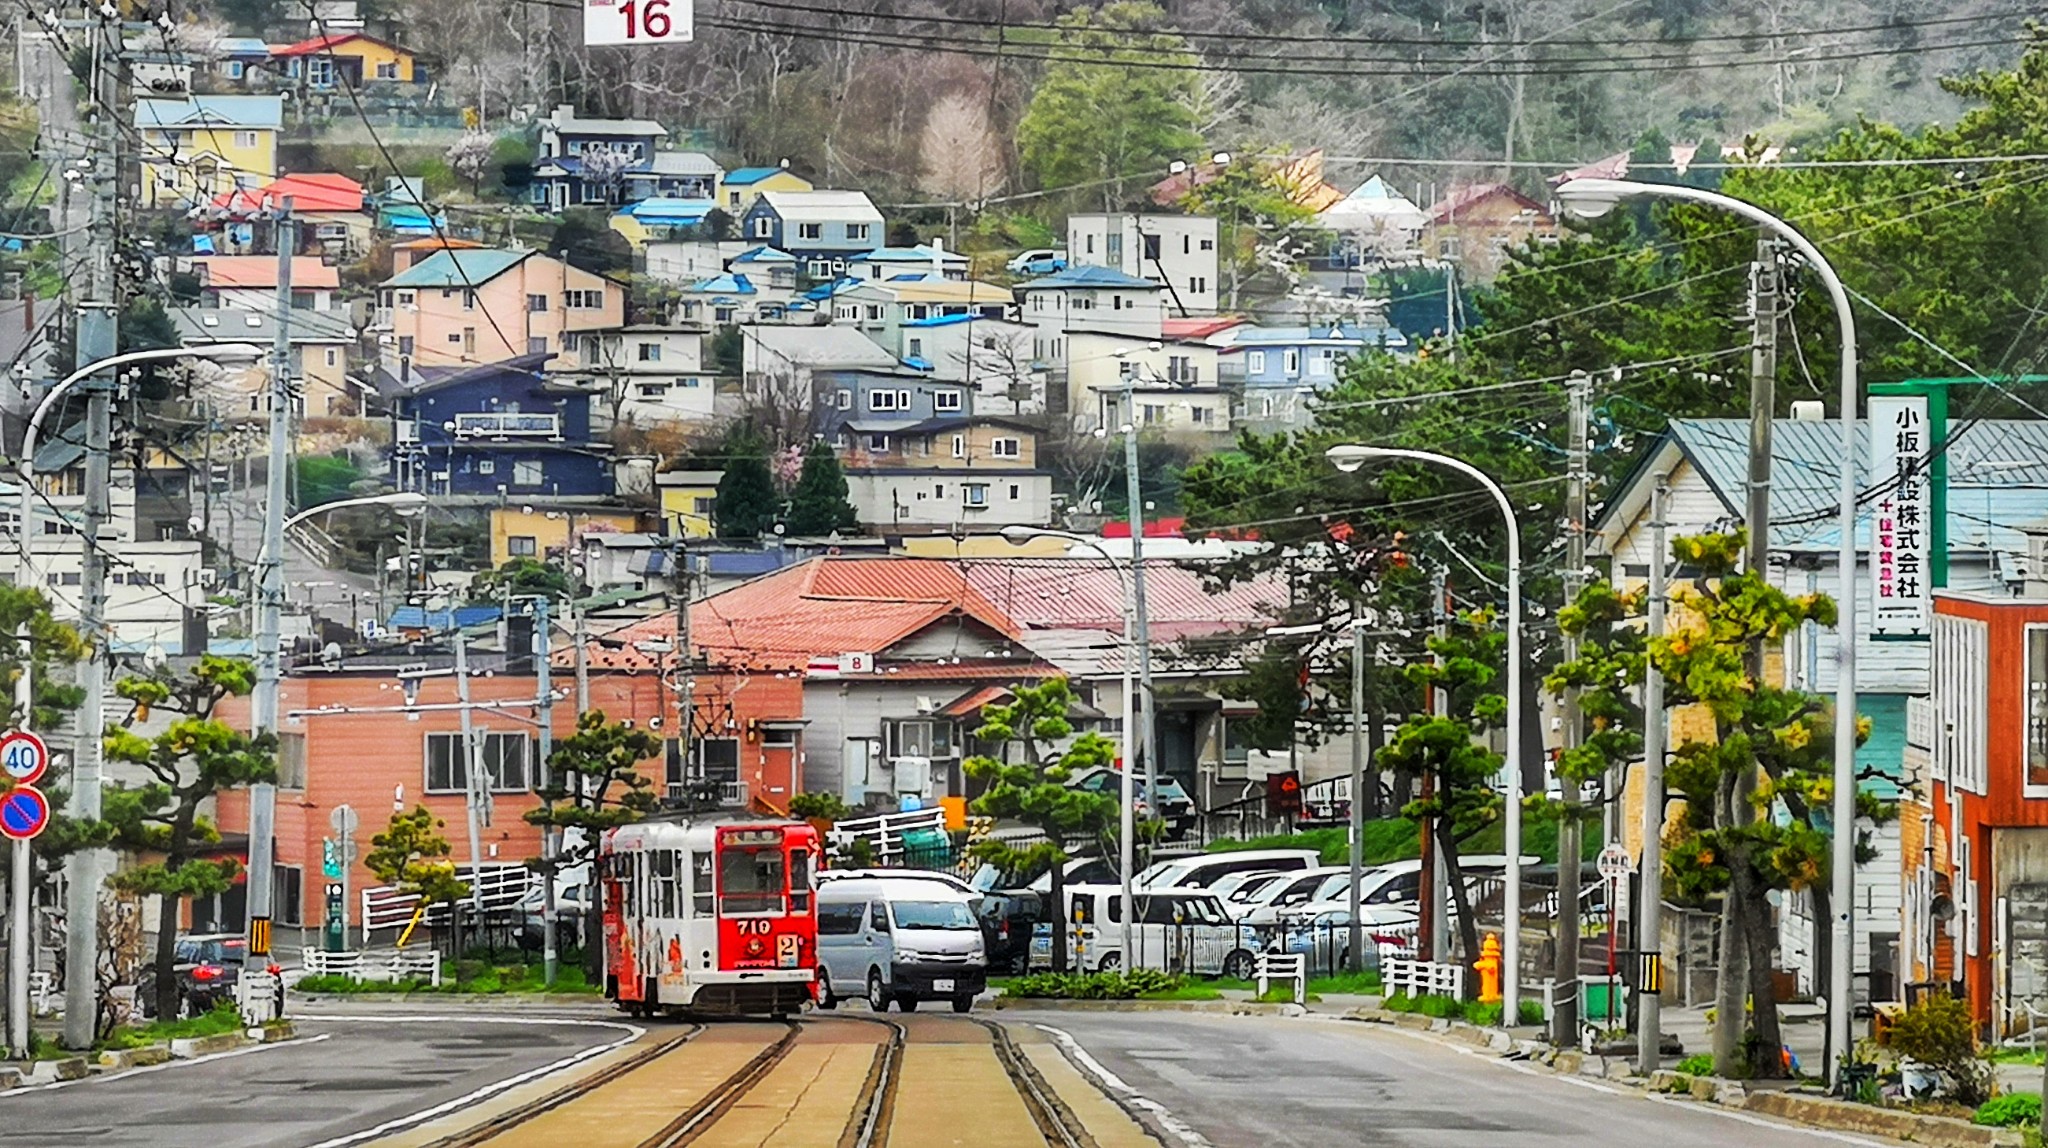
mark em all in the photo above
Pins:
pixel 752 927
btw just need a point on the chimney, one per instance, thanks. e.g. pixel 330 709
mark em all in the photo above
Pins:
pixel 938 246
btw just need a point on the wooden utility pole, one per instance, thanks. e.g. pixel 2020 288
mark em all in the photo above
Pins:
pixel 1564 1022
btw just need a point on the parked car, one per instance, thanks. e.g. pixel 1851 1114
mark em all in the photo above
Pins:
pixel 1325 937
pixel 1240 887
pixel 208 967
pixel 1079 871
pixel 1008 919
pixel 1038 261
pixel 1203 870
pixel 1183 930
pixel 571 903
pixel 907 940
pixel 1302 887
pixel 1172 805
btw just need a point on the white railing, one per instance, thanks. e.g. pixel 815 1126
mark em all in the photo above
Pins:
pixel 1283 967
pixel 1423 978
pixel 885 833
pixel 507 424
pixel 1396 942
pixel 423 964
pixel 496 886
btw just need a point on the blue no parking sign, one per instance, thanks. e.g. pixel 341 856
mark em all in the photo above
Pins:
pixel 24 811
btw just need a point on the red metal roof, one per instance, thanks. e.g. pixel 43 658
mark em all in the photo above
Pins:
pixel 828 606
pixel 316 191
pixel 1199 327
pixel 1154 528
pixel 1462 198
pixel 1084 593
pixel 327 43
pixel 972 701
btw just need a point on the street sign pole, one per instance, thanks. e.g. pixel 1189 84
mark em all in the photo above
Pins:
pixel 344 822
pixel 17 954
pixel 1614 866
pixel 24 813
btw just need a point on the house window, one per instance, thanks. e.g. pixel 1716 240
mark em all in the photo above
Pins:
pixel 938 490
pixel 235 68
pixel 245 140
pixel 845 399
pixel 650 352
pixel 405 345
pixel 1290 363
pixel 1006 448
pixel 917 348
pixel 522 546
pixel 653 390
pixel 387 70
pixel 537 304
pixel 405 298
pixel 946 400
pixel 920 738
pixel 1255 362
pixel 1961 680
pixel 333 356
pixel 1154 414
pixel 1319 364
pixel 974 494
pixel 469 300
pixel 764 227
pixel 732 199
pixel 959 446
pixel 487 466
pixel 881 400
pixel 583 300
pixel 1208 245
pixel 469 340
pixel 1015 492
pixel 1198 285
pixel 723 315
pixel 2037 710
pixel 811 231
pixel 878 444
pixel 537 345
pixel 1151 247
pixel 872 312
pixel 505 758
pixel 1203 416
pixel 527 472
pixel 857 232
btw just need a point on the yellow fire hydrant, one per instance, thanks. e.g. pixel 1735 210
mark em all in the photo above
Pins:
pixel 1488 966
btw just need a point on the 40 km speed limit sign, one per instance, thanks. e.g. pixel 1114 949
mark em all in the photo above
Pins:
pixel 23 757
pixel 638 21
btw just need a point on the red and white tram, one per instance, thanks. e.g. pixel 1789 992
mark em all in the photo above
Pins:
pixel 710 915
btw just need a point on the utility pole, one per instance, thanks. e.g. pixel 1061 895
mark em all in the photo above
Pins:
pixel 1564 1026
pixel 98 338
pixel 1436 916
pixel 1356 941
pixel 474 785
pixel 1649 917
pixel 1146 715
pixel 263 701
pixel 544 746
pixel 1763 380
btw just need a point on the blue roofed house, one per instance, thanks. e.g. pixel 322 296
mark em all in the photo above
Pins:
pixel 566 139
pixel 825 230
pixel 1280 367
pixel 1998 485
pixel 924 259
pixel 659 217
pixel 197 147
pixel 743 185
pixel 492 429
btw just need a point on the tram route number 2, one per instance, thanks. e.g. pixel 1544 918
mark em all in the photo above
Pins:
pixel 638 21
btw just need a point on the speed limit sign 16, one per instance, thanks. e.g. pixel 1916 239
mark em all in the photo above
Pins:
pixel 638 21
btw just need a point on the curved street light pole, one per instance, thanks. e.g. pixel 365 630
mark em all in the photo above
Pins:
pixel 1127 815
pixel 1349 457
pixel 1594 197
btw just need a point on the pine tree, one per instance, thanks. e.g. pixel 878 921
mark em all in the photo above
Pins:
pixel 746 495
pixel 818 506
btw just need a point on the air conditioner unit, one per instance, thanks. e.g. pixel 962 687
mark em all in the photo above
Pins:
pixel 912 776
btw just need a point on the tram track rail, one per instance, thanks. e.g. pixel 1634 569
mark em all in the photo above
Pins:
pixel 701 1116
pixel 877 1104
pixel 504 1122
pixel 1055 1121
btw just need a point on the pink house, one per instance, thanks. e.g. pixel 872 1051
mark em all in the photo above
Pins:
pixel 486 305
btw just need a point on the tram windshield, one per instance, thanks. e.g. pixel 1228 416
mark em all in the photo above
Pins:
pixel 751 880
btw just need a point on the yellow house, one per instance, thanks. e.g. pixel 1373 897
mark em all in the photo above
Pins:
pixel 536 530
pixel 345 60
pixel 197 147
pixel 687 500
pixel 738 189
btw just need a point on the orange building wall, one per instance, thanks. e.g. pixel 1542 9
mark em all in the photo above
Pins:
pixel 733 705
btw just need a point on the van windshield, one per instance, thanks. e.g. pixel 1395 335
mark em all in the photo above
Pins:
pixel 933 915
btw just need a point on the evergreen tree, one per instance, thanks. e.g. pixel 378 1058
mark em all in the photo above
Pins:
pixel 747 503
pixel 594 783
pixel 818 506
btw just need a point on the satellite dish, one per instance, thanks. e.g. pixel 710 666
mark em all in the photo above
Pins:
pixel 330 655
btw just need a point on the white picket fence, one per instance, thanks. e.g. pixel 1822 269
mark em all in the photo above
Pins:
pixel 1290 967
pixel 1423 978
pixel 885 834
pixel 418 963
pixel 496 886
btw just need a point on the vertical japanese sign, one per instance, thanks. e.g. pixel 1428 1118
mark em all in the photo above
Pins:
pixel 1901 531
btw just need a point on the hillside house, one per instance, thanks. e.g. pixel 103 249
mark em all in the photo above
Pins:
pixel 1098 366
pixel 559 178
pixel 926 260
pixel 328 207
pixel 249 282
pixel 1178 252
pixel 947 473
pixel 1089 298
pixel 201 146
pixel 487 305
pixel 493 429
pixel 740 187
pixel 652 373
pixel 322 343
pixel 1474 225
pixel 1281 368
pixel 346 60
pixel 823 229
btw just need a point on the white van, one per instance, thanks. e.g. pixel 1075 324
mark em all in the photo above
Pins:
pixel 893 938
pixel 1178 930
pixel 1199 871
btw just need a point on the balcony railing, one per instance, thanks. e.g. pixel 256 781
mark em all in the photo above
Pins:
pixel 504 424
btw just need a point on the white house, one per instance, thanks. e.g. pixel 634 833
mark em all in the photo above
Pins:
pixel 1178 252
pixel 656 373
pixel 1179 376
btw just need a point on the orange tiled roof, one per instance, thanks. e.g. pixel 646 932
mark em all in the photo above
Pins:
pixel 828 606
pixel 232 271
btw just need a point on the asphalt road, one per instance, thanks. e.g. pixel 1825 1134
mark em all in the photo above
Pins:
pixel 364 1074
pixel 1279 1083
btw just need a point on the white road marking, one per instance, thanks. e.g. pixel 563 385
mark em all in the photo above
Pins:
pixel 1746 1118
pixel 633 1032
pixel 148 1068
pixel 1131 1096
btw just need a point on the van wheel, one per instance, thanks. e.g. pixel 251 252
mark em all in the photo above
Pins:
pixel 906 1002
pixel 1114 962
pixel 1239 966
pixel 825 998
pixel 963 1003
pixel 878 998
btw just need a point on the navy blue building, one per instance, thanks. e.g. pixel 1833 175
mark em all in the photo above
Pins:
pixel 494 428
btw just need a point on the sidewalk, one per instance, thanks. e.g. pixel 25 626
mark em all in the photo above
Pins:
pixel 1803 1025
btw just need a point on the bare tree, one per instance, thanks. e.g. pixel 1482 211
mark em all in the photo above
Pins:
pixel 963 159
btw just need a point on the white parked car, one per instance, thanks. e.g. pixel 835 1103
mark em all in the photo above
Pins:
pixel 1204 870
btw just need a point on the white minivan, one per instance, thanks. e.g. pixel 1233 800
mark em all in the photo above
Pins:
pixel 893 938
pixel 1203 869
pixel 1178 930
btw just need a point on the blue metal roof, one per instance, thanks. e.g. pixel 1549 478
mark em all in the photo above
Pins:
pixel 202 111
pixel 944 320
pixel 419 618
pixel 922 253
pixel 763 254
pixel 469 268
pixel 1089 276
pixel 1338 333
pixel 669 209
pixel 722 285
pixel 748 176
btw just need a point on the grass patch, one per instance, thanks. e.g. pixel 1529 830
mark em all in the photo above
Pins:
pixel 1110 986
pixel 2002 1055
pixel 2013 1110
pixel 1187 991
pixel 1365 984
pixel 1698 1064
pixel 478 979
pixel 223 1018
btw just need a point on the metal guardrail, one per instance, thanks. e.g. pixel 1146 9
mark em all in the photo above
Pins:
pixel 890 836
pixel 319 545
pixel 1283 967
pixel 497 887
pixel 1423 978
pixel 422 963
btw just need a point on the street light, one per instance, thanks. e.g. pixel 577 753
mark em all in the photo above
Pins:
pixel 1127 816
pixel 1595 197
pixel 405 502
pixel 1349 457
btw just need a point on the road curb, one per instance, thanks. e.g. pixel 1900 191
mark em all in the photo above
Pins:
pixel 1219 1008
pixel 495 1001
pixel 1803 1109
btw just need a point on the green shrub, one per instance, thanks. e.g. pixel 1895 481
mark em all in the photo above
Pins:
pixel 1107 986
pixel 818 806
pixel 1939 1031
pixel 2013 1110
pixel 224 1017
pixel 1486 1015
pixel 1698 1064
pixel 1532 1012
pixel 1429 1004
